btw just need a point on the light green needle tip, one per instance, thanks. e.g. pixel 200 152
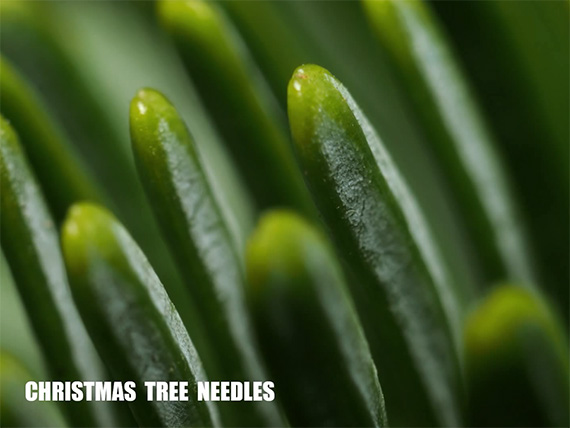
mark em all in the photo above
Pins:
pixel 310 94
pixel 176 16
pixel 86 227
pixel 154 122
pixel 277 246
pixel 496 324
pixel 147 102
pixel 516 361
